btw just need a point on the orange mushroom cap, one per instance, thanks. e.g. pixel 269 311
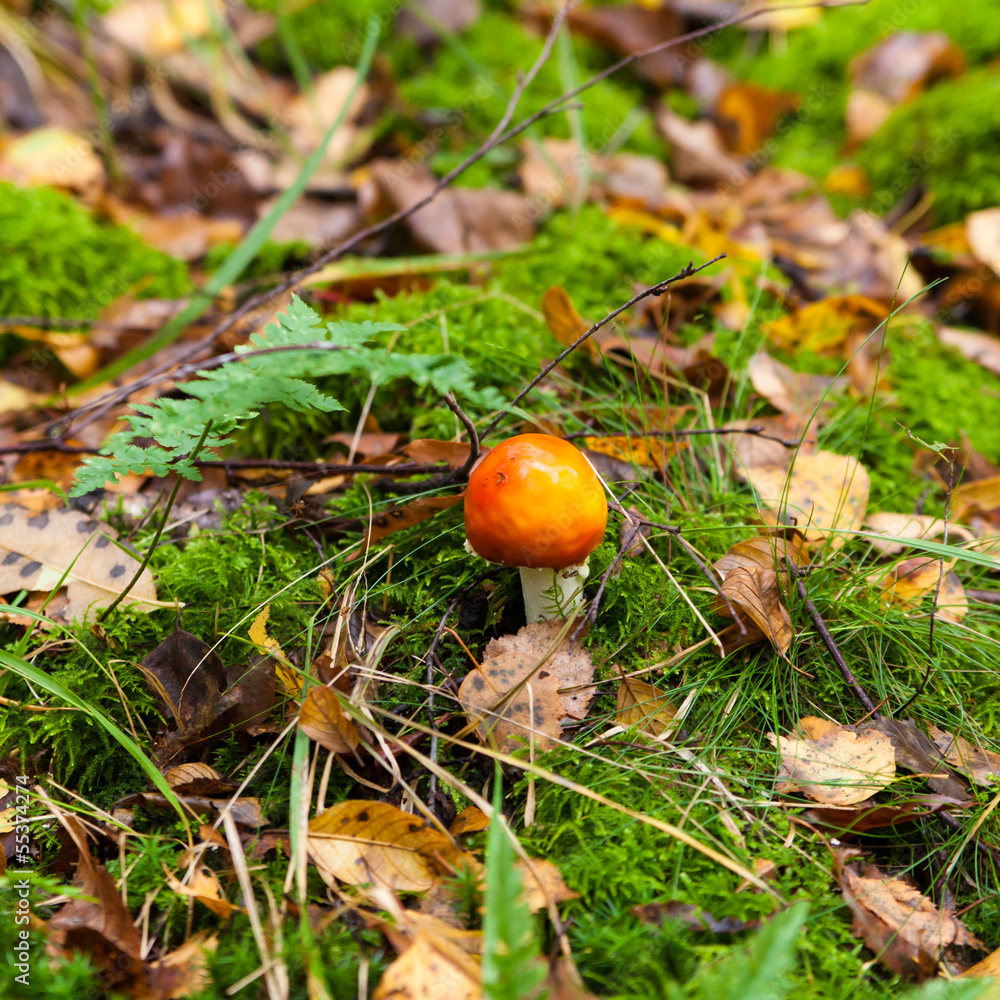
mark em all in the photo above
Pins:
pixel 535 501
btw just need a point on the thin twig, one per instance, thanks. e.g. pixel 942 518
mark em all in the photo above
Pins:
pixel 866 703
pixel 628 538
pixel 656 289
pixel 470 427
pixel 940 579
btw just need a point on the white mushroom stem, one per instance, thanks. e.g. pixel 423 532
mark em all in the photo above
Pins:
pixel 553 593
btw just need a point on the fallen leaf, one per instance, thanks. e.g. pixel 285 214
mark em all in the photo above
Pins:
pixel 907 526
pixel 182 972
pixel 323 719
pixel 749 113
pixel 428 451
pixel 982 231
pixel 204 886
pixel 869 815
pixel 982 348
pixel 459 220
pixel 825 495
pixel 642 705
pixel 629 28
pixel 157 28
pixel 432 968
pixel 561 317
pixel 61 547
pixel 644 451
pixel 543 884
pixel 691 916
pixel 246 810
pixel 446 18
pixel 545 694
pixel 200 694
pixel 824 326
pixel 699 155
pixel 56 157
pixel 751 450
pixel 356 842
pixel 470 820
pixel 977 763
pixel 911 580
pixel 310 115
pixel 902 65
pixel 796 393
pixel 915 752
pixel 98 922
pixel 865 113
pixel 289 678
pixel 903 928
pixel 839 768
pixel 771 551
pixel 754 593
pixel 980 497
pixel 392 519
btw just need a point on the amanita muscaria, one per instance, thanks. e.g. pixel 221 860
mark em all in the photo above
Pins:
pixel 535 502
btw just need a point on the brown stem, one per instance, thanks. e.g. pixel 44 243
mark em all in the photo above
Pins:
pixel 866 703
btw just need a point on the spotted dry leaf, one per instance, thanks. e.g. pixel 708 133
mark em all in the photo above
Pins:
pixel 358 841
pixel 543 883
pixel 41 551
pixel 838 767
pixel 824 495
pixel 522 688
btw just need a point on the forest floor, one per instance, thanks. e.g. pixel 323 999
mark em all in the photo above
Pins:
pixel 246 376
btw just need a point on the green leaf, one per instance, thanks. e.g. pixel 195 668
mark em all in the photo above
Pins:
pixel 512 969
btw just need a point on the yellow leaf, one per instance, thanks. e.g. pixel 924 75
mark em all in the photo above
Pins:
pixel 643 705
pixel 323 719
pixel 561 317
pixel 290 679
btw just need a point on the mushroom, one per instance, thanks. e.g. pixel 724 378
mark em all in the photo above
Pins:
pixel 535 502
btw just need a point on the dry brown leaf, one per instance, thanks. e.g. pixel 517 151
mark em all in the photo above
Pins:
pixel 543 884
pixel 185 774
pixel 904 928
pixel 388 521
pixel 204 886
pixel 796 393
pixel 432 968
pixel 980 497
pixel 156 28
pixel 909 526
pixel 642 705
pixel 977 763
pixel 309 116
pixel 982 348
pixel 40 551
pixel 755 594
pixel 357 842
pixel 428 451
pixel 772 551
pixel 560 687
pixel 902 65
pixel 699 155
pixel 181 973
pixel 911 580
pixel 869 815
pixel 561 317
pixel 323 719
pixel 840 767
pixel 752 450
pixel 824 496
pixel 470 820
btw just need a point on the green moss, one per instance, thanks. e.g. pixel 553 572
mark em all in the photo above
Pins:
pixel 947 139
pixel 57 260
pixel 468 85
pixel 950 133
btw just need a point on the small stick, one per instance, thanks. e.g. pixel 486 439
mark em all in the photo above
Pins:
pixel 984 596
pixel 866 703
pixel 632 529
pixel 470 427
pixel 752 431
